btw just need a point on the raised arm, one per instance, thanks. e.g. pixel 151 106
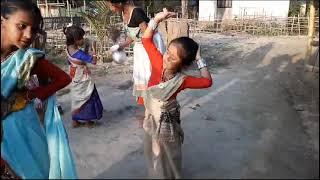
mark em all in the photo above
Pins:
pixel 165 14
pixel 202 65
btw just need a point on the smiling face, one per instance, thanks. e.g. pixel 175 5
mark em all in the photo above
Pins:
pixel 171 59
pixel 18 29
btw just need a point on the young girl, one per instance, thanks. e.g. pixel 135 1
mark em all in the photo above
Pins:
pixel 163 133
pixel 135 23
pixel 86 104
pixel 32 146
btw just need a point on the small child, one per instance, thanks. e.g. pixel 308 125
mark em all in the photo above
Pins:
pixel 163 133
pixel 86 104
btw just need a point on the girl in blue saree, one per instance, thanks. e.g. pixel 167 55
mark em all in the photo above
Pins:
pixel 33 145
pixel 86 106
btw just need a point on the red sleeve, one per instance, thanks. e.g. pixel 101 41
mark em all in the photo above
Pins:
pixel 46 70
pixel 195 83
pixel 155 59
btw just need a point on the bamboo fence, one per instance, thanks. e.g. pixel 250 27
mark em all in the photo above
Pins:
pixel 257 26
pixel 291 26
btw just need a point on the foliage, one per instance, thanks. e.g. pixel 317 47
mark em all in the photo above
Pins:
pixel 154 6
pixel 101 18
pixel 294 9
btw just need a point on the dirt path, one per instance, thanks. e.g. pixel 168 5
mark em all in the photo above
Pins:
pixel 250 124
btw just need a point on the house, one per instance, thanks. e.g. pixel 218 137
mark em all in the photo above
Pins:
pixel 51 8
pixel 210 10
pixel 58 8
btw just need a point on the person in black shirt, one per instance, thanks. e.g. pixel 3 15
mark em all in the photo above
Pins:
pixel 135 23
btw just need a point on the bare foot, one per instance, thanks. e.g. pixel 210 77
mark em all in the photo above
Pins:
pixel 90 124
pixel 76 124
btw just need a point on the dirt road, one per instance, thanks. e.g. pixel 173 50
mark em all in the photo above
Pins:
pixel 259 120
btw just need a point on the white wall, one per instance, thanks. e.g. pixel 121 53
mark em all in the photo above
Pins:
pixel 269 8
pixel 208 8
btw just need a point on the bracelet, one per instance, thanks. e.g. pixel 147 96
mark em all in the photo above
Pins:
pixel 152 24
pixel 201 63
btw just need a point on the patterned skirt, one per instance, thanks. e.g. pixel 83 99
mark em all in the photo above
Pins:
pixel 91 110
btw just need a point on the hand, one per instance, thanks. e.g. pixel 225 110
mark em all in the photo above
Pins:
pixel 114 48
pixel 165 14
pixel 94 60
pixel 94 46
pixel 38 103
pixel 32 83
pixel 198 56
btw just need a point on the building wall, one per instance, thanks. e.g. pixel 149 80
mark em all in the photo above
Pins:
pixel 208 8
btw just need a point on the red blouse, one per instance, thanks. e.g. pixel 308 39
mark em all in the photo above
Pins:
pixel 157 67
pixel 46 70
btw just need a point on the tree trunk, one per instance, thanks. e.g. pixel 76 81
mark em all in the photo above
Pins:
pixel 310 31
pixel 184 9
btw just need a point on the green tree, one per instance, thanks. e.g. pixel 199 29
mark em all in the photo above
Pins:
pixel 103 22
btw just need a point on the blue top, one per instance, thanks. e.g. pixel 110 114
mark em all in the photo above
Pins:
pixel 82 56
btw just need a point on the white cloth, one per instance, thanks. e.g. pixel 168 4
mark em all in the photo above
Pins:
pixel 82 85
pixel 141 64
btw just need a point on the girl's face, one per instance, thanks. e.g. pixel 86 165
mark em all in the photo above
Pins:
pixel 80 42
pixel 171 59
pixel 18 29
pixel 114 7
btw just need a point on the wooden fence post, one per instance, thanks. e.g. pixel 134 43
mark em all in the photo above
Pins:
pixel 310 31
pixel 299 24
pixel 177 29
pixel 292 24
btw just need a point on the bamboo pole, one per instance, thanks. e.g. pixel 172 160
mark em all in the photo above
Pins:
pixel 84 5
pixel 299 24
pixel 47 8
pixel 292 24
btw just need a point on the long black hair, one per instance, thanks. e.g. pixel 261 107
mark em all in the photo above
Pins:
pixel 9 7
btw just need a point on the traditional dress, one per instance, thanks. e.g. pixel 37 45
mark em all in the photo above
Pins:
pixel 162 125
pixel 85 101
pixel 32 149
pixel 141 63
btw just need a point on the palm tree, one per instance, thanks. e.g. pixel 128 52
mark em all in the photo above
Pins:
pixel 99 16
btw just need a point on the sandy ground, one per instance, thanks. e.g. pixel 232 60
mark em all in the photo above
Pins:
pixel 259 120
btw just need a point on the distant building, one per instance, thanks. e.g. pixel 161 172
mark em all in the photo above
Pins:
pixel 58 8
pixel 229 9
